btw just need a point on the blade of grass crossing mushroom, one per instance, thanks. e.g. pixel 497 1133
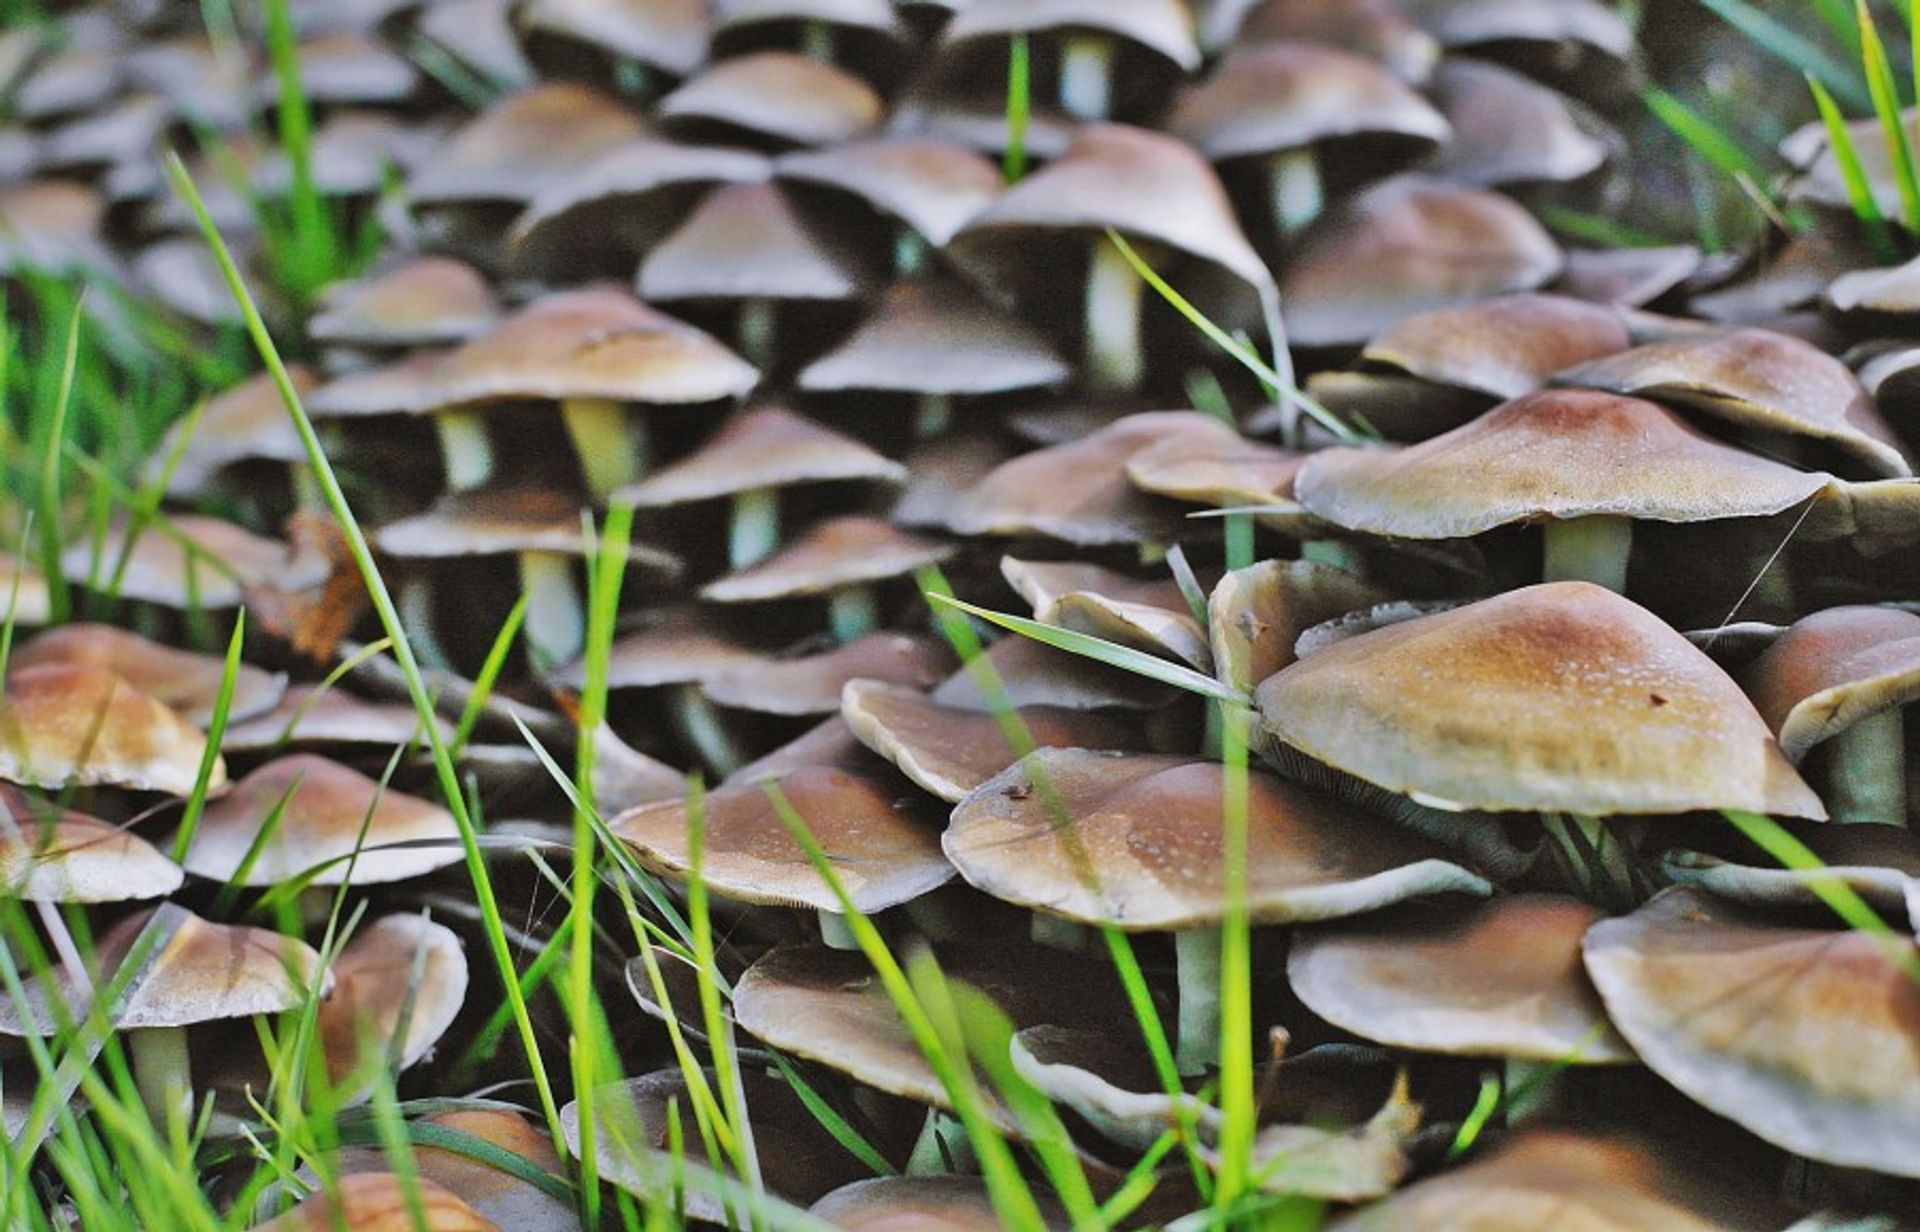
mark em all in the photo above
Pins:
pixel 490 669
pixel 216 729
pixel 1852 174
pixel 1206 394
pixel 1886 105
pixel 1013 163
pixel 1706 138
pixel 1235 980
pixel 390 622
pixel 831 1120
pixel 52 450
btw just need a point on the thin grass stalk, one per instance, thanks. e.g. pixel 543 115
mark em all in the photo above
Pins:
pixel 49 503
pixel 1886 105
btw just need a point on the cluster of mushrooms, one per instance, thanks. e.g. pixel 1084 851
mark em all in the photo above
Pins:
pixel 1570 569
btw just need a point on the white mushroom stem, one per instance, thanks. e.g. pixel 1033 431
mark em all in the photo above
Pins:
pixel 466 452
pixel 835 934
pixel 163 1072
pixel 701 726
pixel 1591 549
pixel 1114 356
pixel 416 618
pixel 909 252
pixel 852 611
pixel 942 1149
pixel 1197 952
pixel 611 444
pixel 935 413
pixel 1867 770
pixel 556 627
pixel 755 332
pixel 1086 76
pixel 1336 552
pixel 755 529
pixel 1295 189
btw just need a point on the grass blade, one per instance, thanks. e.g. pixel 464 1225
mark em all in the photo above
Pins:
pixel 1784 43
pixel 216 728
pixel 1886 105
pixel 1013 164
pixel 54 449
pixel 1706 138
pixel 1847 157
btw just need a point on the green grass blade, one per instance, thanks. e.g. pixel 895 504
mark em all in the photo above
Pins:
pixel 490 670
pixel 1886 105
pixel 313 259
pixel 1852 173
pixel 1706 138
pixel 1784 43
pixel 216 728
pixel 54 449
pixel 1013 163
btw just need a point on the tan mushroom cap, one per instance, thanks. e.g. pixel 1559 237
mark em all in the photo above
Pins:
pixel 682 648
pixel 1554 453
pixel 839 552
pixel 53 225
pixel 1510 129
pixel 950 751
pixel 206 972
pixel 374 989
pixel 1878 861
pixel 1269 97
pixel 915 1204
pixel 161 569
pixel 1498 978
pixel 668 34
pixel 1562 697
pixel 1035 674
pixel 51 854
pixel 423 301
pixel 326 806
pixel 812 683
pixel 746 241
pixel 1219 468
pixel 500 521
pixel 934 187
pixel 876 15
pixel 1409 245
pixel 884 856
pixel 307 715
pixel 63 724
pixel 1829 670
pixel 380 1202
pixel 1043 583
pixel 1758 379
pixel 522 144
pixel 182 680
pixel 1628 277
pixel 496 1194
pixel 1376 29
pixel 1139 845
pixel 1079 492
pixel 1255 615
pixel 1502 347
pixel 245 423
pixel 1161 26
pixel 767 446
pixel 1803 1036
pixel 779 95
pixel 932 335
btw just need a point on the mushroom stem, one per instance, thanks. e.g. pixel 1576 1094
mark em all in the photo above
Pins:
pixel 611 445
pixel 852 611
pixel 1057 932
pixel 909 252
pixel 556 621
pixel 755 331
pixel 416 617
pixel 701 726
pixel 1598 859
pixel 1867 770
pixel 1336 552
pixel 1086 76
pixel 816 41
pixel 163 1073
pixel 935 413
pixel 1591 549
pixel 942 1149
pixel 1197 953
pixel 466 453
pixel 834 932
pixel 755 529
pixel 1295 189
pixel 1527 1087
pixel 1114 356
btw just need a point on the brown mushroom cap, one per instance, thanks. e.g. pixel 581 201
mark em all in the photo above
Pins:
pixel 52 854
pixel 1255 615
pixel 812 683
pixel 63 724
pixel 884 856
pixel 667 34
pixel 1376 29
pixel 1628 277
pixel 424 301
pixel 681 648
pixel 766 447
pixel 245 423
pixel 374 989
pixel 326 806
pixel 1502 347
pixel 379 1202
pixel 932 186
pixel 1509 129
pixel 1561 697
pixel 1498 978
pixel 1035 674
pixel 916 1204
pixel 746 241
pixel 330 716
pixel 778 95
pixel 523 143
pixel 839 552
pixel 1829 670
pixel 1160 26
pixel 1878 861
pixel 1550 454
pixel 1757 379
pixel 501 1196
pixel 1803 1036
pixel 1219 468
pixel 187 682
pixel 498 522
pixel 161 569
pixel 932 335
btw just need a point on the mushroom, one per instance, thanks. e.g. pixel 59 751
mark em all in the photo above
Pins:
pixel 823 25
pixel 656 37
pixel 1153 617
pixel 811 684
pixel 381 1202
pixel 308 716
pixel 494 1193
pixel 775 98
pixel 1087 34
pixel 419 302
pixel 188 562
pixel 64 724
pixel 246 423
pixel 397 987
pixel 1376 29
pixel 842 558
pixel 187 682
pixel 1135 842
pixel 1031 673
pixel 929 189
pixel 1879 862
pixel 50 854
pixel 1511 131
pixel 922 1203
pixel 1578 41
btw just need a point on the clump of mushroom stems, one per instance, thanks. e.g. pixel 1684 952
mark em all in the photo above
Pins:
pixel 1867 770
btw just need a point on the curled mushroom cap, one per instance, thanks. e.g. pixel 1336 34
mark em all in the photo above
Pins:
pixel 56 855
pixel 1829 670
pixel 188 683
pixel 379 1202
pixel 766 447
pixel 326 805
pixel 1803 1036
pixel 1499 978
pixel 64 724
pixel 1560 697
pixel 1135 840
pixel 426 301
pixel 1550 454
pixel 1256 615
pixel 778 96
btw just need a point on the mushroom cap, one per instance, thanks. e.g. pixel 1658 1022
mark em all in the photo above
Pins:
pixel 1803 1036
pixel 1495 978
pixel 1501 347
pixel 883 854
pixel 746 241
pixel 496 1194
pixel 245 423
pixel 375 989
pixel 933 336
pixel 345 67
pixel 1756 379
pixel 53 225
pixel 63 724
pixel 1136 841
pixel 161 569
pixel 1892 291
pixel 1878 861
pixel 767 446
pixel 826 743
pixel 778 95
pixel 1035 674
pixel 681 649
pixel 1409 245
pixel 1266 98
pixel 812 683
pixel 836 553
pixel 501 521
pixel 1628 277
pixel 205 972
pixel 1554 453
pixel 1829 670
pixel 1376 29
pixel 1255 615
pixel 1475 23
pixel 480 35
pixel 522 144
pixel 667 34
pixel 50 854
pixel 1563 697
pixel 1509 129
pixel 876 15
pixel 379 1202
pixel 1220 468
pixel 326 806
pixel 934 187
pixel 423 301
pixel 1161 26
pixel 307 715
pixel 914 1204
pixel 949 750
pixel 186 682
